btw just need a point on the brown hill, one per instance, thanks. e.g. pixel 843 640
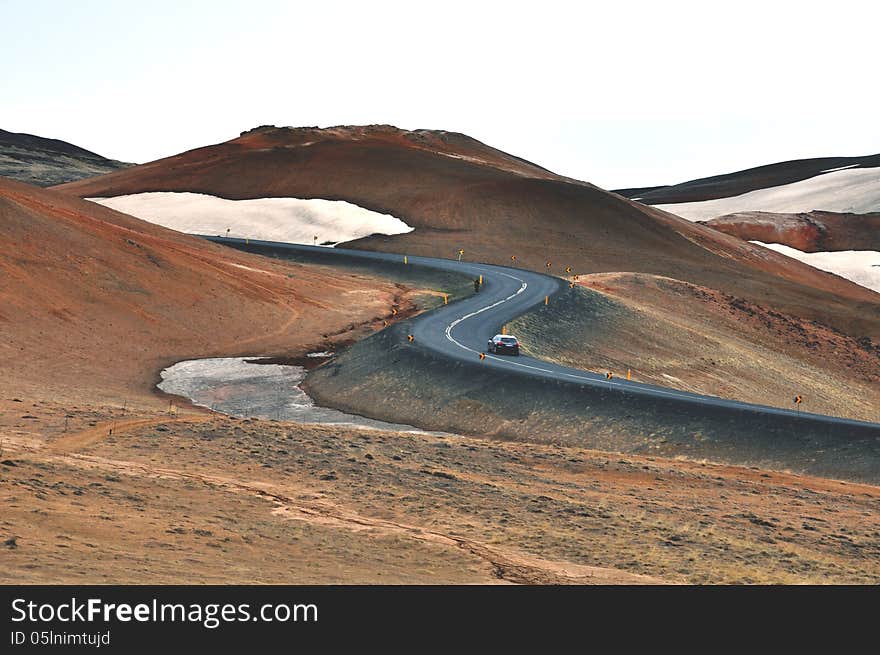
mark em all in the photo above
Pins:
pixel 94 303
pixel 460 193
pixel 816 231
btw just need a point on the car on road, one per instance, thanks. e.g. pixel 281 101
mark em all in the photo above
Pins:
pixel 502 344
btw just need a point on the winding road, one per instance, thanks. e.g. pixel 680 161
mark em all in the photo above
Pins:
pixel 461 329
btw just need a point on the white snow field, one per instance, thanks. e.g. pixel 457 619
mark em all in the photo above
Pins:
pixel 292 220
pixel 855 190
pixel 859 266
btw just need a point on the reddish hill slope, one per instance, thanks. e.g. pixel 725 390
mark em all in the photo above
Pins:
pixel 815 231
pixel 460 193
pixel 93 303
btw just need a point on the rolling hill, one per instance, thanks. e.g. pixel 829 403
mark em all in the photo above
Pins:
pixel 459 193
pixel 823 212
pixel 94 303
pixel 44 162
pixel 815 231
pixel 746 181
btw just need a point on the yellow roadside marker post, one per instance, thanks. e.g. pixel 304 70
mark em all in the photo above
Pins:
pixel 549 264
pixel 460 253
pixel 797 401
pixel 227 232
pixel 405 260
pixel 628 374
pixel 503 329
pixel 546 300
pixel 513 258
pixel 445 299
pixel 481 280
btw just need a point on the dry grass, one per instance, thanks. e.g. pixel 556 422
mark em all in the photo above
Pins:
pixel 212 499
pixel 697 339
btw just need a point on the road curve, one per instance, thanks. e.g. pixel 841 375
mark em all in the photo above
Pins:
pixel 461 329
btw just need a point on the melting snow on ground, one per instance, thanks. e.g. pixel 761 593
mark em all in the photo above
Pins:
pixel 859 266
pixel 235 387
pixel 855 190
pixel 291 220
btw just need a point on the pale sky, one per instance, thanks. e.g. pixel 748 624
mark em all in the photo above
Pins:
pixel 624 93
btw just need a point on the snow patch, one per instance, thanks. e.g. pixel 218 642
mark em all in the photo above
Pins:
pixel 839 168
pixel 859 266
pixel 255 270
pixel 238 386
pixel 463 158
pixel 292 220
pixel 855 190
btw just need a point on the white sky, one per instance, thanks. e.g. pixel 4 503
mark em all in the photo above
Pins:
pixel 623 93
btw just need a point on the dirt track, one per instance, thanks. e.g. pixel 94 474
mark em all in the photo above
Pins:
pixel 220 500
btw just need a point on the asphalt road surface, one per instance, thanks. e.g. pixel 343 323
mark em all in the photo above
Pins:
pixel 462 329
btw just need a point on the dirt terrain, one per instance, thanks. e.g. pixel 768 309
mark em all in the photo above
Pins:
pixel 44 162
pixel 680 335
pixel 103 481
pixel 387 378
pixel 95 303
pixel 197 498
pixel 815 231
pixel 459 193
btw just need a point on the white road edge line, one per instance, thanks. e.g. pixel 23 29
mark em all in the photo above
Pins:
pixel 508 362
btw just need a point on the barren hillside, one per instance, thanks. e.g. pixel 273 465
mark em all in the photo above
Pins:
pixel 44 162
pixel 680 335
pixel 752 179
pixel 93 303
pixel 815 231
pixel 459 193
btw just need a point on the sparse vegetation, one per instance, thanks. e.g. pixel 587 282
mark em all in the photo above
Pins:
pixel 256 501
pixel 680 335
